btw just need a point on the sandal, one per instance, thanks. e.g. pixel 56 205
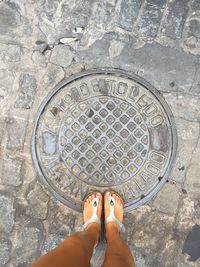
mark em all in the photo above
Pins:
pixel 95 204
pixel 111 217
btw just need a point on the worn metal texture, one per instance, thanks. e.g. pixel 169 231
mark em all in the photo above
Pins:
pixel 104 129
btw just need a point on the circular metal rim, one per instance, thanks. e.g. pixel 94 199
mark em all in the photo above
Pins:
pixel 154 190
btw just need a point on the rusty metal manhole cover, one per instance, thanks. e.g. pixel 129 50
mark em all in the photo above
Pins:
pixel 104 129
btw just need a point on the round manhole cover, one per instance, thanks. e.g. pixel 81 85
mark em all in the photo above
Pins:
pixel 104 129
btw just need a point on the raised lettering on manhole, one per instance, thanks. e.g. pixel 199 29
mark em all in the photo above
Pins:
pixel 101 130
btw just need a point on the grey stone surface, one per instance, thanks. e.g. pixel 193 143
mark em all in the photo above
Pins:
pixel 6 83
pixel 191 245
pixel 99 254
pixel 52 241
pixel 62 56
pixel 25 244
pixel 62 222
pixel 128 13
pixel 74 68
pixel 52 76
pixel 16 130
pixel 2 125
pixel 115 48
pixel 186 214
pixel 41 42
pixel 149 21
pixel 188 134
pixel 27 90
pixel 185 255
pixel 174 23
pixel 192 178
pixel 39 58
pixel 15 25
pixel 195 4
pixel 101 19
pixel 10 20
pixel 194 27
pixel 6 213
pixel 9 54
pixel 38 203
pixel 5 249
pixel 4 253
pixel 167 199
pixel 153 239
pixel 192 35
pixel 11 172
pixel 155 63
pixel 179 102
pixel 59 19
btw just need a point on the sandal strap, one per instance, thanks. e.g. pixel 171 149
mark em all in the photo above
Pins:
pixel 94 218
pixel 111 217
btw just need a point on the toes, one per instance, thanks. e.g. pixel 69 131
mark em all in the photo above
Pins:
pixel 89 199
pixel 99 195
pixel 118 201
pixel 88 209
pixel 86 202
pixel 106 195
pixel 116 197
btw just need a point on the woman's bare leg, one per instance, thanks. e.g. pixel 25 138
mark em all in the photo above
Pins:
pixel 76 250
pixel 117 253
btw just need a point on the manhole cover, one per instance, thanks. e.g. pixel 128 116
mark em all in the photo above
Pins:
pixel 104 129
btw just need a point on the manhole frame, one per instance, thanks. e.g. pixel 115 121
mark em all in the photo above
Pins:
pixel 120 73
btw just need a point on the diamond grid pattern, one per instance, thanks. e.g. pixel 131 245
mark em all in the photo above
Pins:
pixel 108 141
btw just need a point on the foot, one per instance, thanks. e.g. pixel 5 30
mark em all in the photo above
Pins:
pixel 88 210
pixel 118 211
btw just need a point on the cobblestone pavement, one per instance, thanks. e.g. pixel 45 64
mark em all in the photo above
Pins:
pixel 43 41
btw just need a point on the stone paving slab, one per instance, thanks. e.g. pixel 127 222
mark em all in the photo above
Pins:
pixel 159 41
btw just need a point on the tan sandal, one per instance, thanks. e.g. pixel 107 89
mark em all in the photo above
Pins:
pixel 111 217
pixel 95 204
